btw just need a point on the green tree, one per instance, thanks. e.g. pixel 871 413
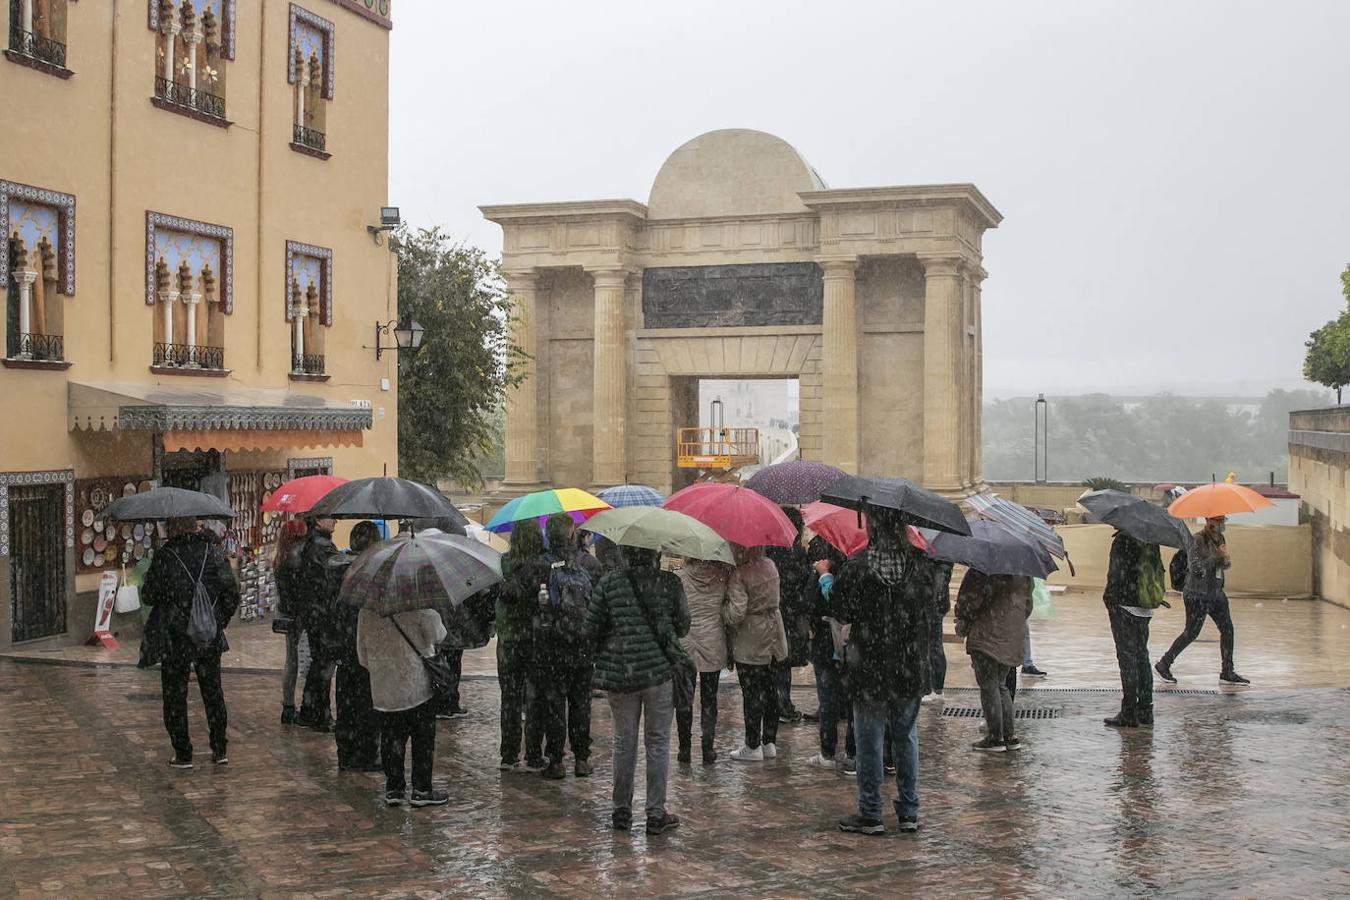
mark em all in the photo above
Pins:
pixel 450 392
pixel 1328 359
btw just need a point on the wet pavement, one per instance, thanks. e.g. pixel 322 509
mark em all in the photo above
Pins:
pixel 1242 793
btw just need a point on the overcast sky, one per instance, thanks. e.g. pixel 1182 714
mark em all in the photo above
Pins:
pixel 1174 176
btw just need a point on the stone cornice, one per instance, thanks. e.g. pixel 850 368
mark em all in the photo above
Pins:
pixel 570 211
pixel 904 196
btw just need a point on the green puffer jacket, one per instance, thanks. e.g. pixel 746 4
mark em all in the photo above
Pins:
pixel 628 656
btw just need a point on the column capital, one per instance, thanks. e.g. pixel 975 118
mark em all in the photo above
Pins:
pixel 610 276
pixel 192 37
pixel 838 266
pixel 169 296
pixel 191 299
pixel 941 265
pixel 521 279
pixel 25 276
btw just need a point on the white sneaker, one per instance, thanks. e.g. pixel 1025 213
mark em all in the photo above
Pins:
pixel 821 762
pixel 770 751
pixel 745 754
pixel 935 697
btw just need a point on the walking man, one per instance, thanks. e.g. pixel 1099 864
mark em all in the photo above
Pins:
pixel 1203 593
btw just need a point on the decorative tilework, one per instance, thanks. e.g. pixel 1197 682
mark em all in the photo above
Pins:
pixel 64 206
pixel 314 34
pixel 298 257
pixel 376 11
pixel 310 462
pixel 225 235
pixel 61 476
pixel 227 21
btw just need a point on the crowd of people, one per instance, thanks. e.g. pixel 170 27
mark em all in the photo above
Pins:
pixel 571 620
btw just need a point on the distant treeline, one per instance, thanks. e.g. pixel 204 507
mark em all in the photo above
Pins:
pixel 1161 438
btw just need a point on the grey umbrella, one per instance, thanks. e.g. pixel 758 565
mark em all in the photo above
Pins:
pixel 426 570
pixel 1022 521
pixel 386 498
pixel 920 504
pixel 992 549
pixel 163 503
pixel 1140 519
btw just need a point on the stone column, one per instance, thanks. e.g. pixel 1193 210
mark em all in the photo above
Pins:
pixel 941 375
pixel 977 276
pixel 609 398
pixel 171 50
pixel 26 14
pixel 192 38
pixel 301 83
pixel 24 278
pixel 840 364
pixel 522 401
pixel 190 301
pixel 167 299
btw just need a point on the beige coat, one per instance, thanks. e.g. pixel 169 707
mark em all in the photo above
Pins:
pixel 705 589
pixel 757 634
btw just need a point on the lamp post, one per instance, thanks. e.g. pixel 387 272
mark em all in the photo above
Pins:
pixel 1042 431
pixel 407 334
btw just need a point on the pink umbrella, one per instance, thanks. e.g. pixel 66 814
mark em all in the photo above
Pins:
pixel 299 494
pixel 840 527
pixel 737 514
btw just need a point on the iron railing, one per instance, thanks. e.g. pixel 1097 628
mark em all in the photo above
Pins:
pixel 185 356
pixel 307 364
pixel 45 347
pixel 308 137
pixel 38 47
pixel 192 98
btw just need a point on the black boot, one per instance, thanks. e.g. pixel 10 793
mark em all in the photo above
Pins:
pixel 709 753
pixel 686 742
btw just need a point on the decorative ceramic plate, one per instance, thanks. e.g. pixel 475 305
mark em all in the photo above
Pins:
pixel 144 486
pixel 126 532
pixel 126 555
pixel 88 518
pixel 138 551
pixel 138 531
pixel 146 541
pixel 110 532
pixel 128 489
pixel 98 525
pixel 88 557
pixel 100 544
pixel 98 498
pixel 99 560
pixel 87 537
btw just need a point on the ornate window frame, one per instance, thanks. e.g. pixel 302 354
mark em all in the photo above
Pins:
pixel 59 476
pixel 227 24
pixel 300 15
pixel 376 11
pixel 295 464
pixel 326 294
pixel 225 234
pixel 65 208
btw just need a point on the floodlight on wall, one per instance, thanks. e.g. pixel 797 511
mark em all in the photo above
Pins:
pixel 389 220
pixel 407 334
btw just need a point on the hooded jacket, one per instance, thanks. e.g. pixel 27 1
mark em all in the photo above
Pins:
pixel 794 571
pixel 705 589
pixel 991 613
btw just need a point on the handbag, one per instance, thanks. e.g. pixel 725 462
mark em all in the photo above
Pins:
pixel 282 624
pixel 128 596
pixel 439 672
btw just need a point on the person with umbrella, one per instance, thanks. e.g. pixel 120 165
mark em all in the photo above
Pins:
pixel 1202 592
pixel 758 644
pixel 705 589
pixel 286 571
pixel 320 577
pixel 1134 588
pixel 827 660
pixel 517 598
pixel 793 573
pixel 189 563
pixel 357 729
pixel 991 614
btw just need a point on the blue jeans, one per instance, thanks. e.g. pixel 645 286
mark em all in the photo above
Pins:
pixel 1026 646
pixel 834 706
pixel 870 720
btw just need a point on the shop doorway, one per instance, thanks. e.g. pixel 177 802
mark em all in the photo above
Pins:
pixel 37 561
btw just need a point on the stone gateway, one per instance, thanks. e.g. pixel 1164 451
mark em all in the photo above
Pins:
pixel 743 264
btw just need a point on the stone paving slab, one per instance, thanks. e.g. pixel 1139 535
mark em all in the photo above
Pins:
pixel 1243 794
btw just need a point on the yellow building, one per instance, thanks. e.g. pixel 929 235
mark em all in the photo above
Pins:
pixel 192 285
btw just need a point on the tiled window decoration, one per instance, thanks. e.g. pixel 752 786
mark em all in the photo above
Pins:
pixel 309 304
pixel 189 274
pixel 37 266
pixel 375 10
pixel 8 479
pixel 309 67
pixel 298 467
pixel 194 40
pixel 37 35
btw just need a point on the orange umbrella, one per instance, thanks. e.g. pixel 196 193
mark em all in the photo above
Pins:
pixel 1222 499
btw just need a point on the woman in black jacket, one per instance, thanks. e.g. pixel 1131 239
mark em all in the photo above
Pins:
pixel 186 559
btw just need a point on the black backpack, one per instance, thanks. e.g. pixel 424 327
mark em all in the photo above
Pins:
pixel 561 617
pixel 1177 570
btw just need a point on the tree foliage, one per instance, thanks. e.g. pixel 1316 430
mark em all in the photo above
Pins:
pixel 1327 361
pixel 451 391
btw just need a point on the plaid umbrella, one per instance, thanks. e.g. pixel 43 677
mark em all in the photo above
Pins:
pixel 632 495
pixel 426 570
pixel 791 483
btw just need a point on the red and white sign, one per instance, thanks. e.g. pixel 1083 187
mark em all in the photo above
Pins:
pixel 107 596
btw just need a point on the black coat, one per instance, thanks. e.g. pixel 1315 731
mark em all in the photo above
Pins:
pixel 942 589
pixel 168 590
pixel 322 566
pixel 286 572
pixel 888 648
pixel 794 576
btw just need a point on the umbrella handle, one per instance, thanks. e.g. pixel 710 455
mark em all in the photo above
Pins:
pixel 1072 573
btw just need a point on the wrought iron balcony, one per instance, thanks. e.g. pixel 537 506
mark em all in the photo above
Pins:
pixel 38 347
pixel 185 356
pixel 38 47
pixel 308 137
pixel 308 364
pixel 200 101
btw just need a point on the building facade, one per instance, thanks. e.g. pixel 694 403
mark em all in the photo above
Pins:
pixel 743 264
pixel 1319 463
pixel 189 281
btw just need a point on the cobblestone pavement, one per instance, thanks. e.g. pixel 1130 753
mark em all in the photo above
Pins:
pixel 1242 794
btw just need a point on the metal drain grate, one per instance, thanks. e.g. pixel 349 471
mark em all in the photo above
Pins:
pixel 1036 691
pixel 974 712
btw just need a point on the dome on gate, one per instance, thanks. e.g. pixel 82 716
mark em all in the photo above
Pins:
pixel 733 172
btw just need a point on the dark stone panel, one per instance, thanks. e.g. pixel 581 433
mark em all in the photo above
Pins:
pixel 766 294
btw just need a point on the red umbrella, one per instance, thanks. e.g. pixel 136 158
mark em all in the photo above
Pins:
pixel 840 527
pixel 299 494
pixel 736 513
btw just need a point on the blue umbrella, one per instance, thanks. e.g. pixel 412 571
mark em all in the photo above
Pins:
pixel 632 495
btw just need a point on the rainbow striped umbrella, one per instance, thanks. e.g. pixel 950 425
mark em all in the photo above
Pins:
pixel 577 503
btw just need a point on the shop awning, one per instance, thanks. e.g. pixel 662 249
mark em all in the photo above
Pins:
pixel 235 418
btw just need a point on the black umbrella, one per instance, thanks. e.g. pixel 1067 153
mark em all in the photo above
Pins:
pixel 991 548
pixel 162 503
pixel 1140 519
pixel 925 507
pixel 385 498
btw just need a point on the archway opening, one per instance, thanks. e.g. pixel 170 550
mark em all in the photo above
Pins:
pixel 742 424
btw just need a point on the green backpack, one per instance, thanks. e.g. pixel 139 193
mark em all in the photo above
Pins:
pixel 1152 578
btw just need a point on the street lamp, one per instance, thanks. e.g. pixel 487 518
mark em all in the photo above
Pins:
pixel 1042 461
pixel 407 334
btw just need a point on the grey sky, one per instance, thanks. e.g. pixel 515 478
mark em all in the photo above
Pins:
pixel 1173 175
